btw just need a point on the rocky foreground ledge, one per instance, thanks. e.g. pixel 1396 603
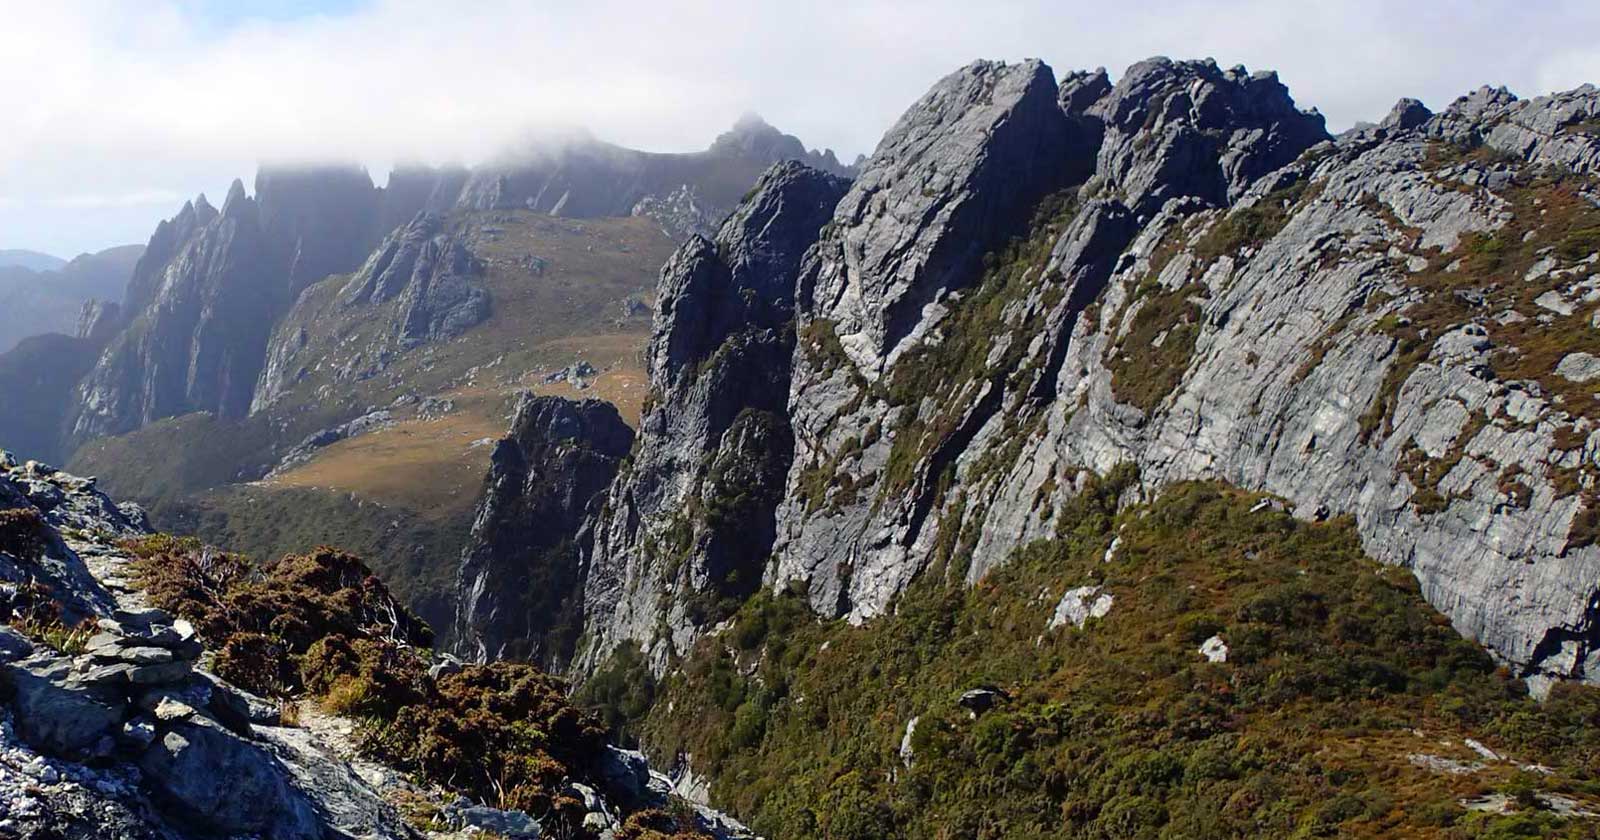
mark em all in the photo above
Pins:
pixel 114 725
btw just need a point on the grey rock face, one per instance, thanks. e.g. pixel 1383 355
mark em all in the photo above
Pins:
pixel 13 646
pixel 1189 129
pixel 204 298
pixel 520 569
pixel 420 285
pixel 693 514
pixel 62 501
pixel 1406 115
pixel 57 714
pixel 98 321
pixel 1289 352
pixel 956 176
pixel 704 478
pixel 228 785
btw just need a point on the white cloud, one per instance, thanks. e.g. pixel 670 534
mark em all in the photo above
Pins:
pixel 143 97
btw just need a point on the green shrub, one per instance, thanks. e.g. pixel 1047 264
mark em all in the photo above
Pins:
pixel 1121 729
pixel 255 662
pixel 502 732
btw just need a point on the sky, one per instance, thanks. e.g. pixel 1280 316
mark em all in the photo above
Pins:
pixel 113 112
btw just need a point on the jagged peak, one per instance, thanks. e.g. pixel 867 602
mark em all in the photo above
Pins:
pixel 987 124
pixel 752 136
pixel 236 201
pixel 1406 115
pixel 962 92
pixel 1481 101
pixel 1217 98
pixel 204 211
pixel 751 121
pixel 1081 89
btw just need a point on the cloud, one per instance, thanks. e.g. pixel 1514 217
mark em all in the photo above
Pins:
pixel 103 98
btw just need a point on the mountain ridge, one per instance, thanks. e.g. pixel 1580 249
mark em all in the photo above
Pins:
pixel 1204 201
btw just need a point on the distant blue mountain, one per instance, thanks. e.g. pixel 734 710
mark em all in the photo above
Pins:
pixel 31 260
pixel 50 300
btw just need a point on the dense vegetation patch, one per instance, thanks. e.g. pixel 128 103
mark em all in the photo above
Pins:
pixel 983 339
pixel 320 625
pixel 1251 227
pixel 21 532
pixel 264 620
pixel 406 549
pixel 1340 685
pixel 1149 360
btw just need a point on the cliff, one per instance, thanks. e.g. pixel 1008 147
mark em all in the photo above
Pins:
pixel 1032 282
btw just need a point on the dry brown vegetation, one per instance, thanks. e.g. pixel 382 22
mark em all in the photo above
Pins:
pixel 320 625
pixel 21 532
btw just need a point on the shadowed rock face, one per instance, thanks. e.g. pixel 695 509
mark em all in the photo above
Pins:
pixel 210 286
pixel 520 568
pixel 195 330
pixel 954 178
pixel 693 511
pixel 1219 290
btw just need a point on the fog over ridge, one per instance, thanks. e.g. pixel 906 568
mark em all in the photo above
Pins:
pixel 118 110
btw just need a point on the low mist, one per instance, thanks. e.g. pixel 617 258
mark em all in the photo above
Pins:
pixel 116 112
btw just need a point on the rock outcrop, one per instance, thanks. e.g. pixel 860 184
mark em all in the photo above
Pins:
pixel 204 298
pixel 1181 272
pixel 420 285
pixel 131 737
pixel 520 569
pixel 686 528
pixel 98 321
pixel 122 731
pixel 1179 134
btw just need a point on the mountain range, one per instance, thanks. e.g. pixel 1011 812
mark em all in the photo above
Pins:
pixel 1096 458
pixel 30 260
pixel 41 296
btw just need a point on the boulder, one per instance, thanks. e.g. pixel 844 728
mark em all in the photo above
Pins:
pixel 13 646
pixel 1079 605
pixel 980 700
pixel 515 825
pixel 627 775
pixel 221 783
pixel 1579 367
pixel 58 715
